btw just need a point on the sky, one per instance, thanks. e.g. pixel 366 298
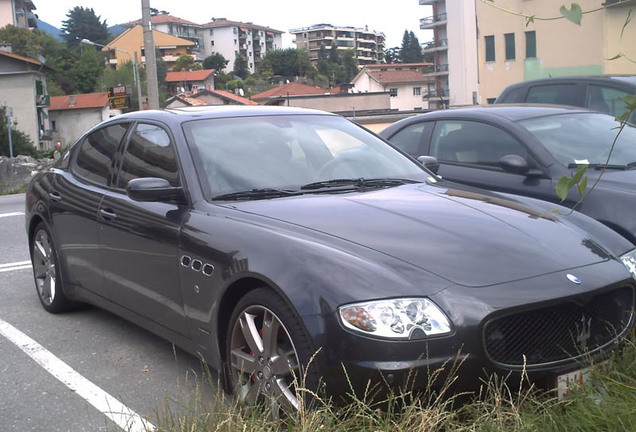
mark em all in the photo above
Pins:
pixel 281 15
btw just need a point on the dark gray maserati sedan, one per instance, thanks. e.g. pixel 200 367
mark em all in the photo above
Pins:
pixel 256 237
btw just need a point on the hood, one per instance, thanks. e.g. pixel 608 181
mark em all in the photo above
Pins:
pixel 463 236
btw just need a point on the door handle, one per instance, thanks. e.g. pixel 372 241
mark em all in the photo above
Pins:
pixel 107 214
pixel 55 196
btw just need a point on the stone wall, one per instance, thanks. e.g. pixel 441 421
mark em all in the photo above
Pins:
pixel 16 172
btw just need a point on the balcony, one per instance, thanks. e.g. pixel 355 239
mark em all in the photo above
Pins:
pixel 439 45
pixel 433 21
pixel 438 70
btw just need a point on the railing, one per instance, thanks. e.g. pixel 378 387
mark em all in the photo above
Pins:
pixel 432 19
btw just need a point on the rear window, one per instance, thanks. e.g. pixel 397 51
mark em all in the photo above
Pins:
pixel 561 94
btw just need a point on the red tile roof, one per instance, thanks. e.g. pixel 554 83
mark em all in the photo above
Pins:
pixel 161 19
pixel 89 100
pixel 197 75
pixel 398 76
pixel 291 89
pixel 229 95
pixel 19 57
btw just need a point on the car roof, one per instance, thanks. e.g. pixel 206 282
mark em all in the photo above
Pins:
pixel 628 80
pixel 217 111
pixel 512 112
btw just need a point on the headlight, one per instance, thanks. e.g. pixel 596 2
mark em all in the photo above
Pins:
pixel 407 318
pixel 629 259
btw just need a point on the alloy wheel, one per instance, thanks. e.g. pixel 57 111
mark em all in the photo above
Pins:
pixel 264 362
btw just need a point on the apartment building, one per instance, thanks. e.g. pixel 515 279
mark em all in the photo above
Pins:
pixel 131 42
pixel 234 38
pixel 368 44
pixel 18 13
pixel 455 51
pixel 228 38
pixel 511 51
pixel 175 26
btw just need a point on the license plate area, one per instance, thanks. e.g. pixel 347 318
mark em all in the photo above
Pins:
pixel 576 380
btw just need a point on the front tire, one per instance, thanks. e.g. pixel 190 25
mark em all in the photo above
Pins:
pixel 268 353
pixel 46 272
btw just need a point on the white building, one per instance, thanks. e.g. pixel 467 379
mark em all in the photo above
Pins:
pixel 455 49
pixel 406 83
pixel 233 38
pixel 368 45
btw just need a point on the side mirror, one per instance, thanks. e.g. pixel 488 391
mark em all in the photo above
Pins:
pixel 429 162
pixel 154 189
pixel 514 163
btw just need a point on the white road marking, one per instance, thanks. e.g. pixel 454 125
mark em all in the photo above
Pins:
pixel 11 214
pixel 15 266
pixel 120 414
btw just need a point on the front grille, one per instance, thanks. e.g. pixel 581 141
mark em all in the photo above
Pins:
pixel 559 332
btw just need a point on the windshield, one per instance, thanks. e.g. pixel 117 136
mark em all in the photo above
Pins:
pixel 584 138
pixel 276 153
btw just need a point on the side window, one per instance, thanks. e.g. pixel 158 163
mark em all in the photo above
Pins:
pixel 149 153
pixel 473 143
pixel 561 94
pixel 410 138
pixel 515 95
pixel 97 151
pixel 605 99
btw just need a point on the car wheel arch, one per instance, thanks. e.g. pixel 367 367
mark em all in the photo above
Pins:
pixel 231 297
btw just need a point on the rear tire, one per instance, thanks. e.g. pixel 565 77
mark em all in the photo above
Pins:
pixel 268 352
pixel 46 272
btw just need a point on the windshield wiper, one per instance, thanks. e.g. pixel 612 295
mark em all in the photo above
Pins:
pixel 357 183
pixel 255 194
pixel 600 166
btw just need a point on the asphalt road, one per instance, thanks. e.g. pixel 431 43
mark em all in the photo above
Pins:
pixel 135 367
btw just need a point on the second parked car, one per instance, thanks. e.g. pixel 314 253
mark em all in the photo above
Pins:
pixel 526 149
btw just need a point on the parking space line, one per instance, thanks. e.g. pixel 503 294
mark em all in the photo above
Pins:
pixel 11 214
pixel 120 414
pixel 21 265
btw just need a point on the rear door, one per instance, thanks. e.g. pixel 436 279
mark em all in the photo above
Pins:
pixel 139 241
pixel 74 200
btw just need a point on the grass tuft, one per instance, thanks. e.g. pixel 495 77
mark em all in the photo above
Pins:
pixel 608 405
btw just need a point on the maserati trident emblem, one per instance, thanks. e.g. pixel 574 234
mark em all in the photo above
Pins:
pixel 573 279
pixel 584 332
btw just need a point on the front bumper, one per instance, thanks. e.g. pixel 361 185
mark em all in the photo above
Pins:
pixel 350 361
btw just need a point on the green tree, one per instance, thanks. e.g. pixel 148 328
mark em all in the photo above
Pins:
pixel 349 65
pixel 392 55
pixel 20 142
pixel 240 67
pixel 186 62
pixel 323 60
pixel 411 51
pixel 82 23
pixel 24 42
pixel 334 55
pixel 88 69
pixel 216 61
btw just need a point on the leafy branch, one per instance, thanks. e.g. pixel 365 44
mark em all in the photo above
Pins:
pixel 579 179
pixel 573 14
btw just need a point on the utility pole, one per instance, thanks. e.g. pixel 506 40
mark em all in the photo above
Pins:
pixel 9 112
pixel 151 59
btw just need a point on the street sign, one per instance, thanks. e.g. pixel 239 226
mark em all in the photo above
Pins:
pixel 119 102
pixel 118 97
pixel 116 91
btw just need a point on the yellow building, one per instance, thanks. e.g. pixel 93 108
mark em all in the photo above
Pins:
pixel 510 51
pixel 124 47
